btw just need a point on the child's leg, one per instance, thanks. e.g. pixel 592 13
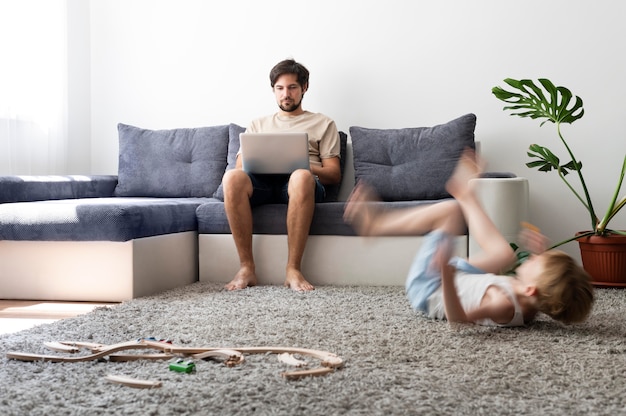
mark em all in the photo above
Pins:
pixel 368 219
pixel 424 276
pixel 496 254
pixel 439 220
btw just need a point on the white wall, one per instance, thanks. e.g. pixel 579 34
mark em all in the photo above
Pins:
pixel 79 86
pixel 380 64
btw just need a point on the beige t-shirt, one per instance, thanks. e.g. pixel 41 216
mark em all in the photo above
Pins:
pixel 322 131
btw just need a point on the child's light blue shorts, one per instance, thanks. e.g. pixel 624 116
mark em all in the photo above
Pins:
pixel 423 279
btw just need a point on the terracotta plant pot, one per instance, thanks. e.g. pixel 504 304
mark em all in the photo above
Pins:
pixel 604 258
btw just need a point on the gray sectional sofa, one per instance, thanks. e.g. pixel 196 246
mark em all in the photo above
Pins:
pixel 160 223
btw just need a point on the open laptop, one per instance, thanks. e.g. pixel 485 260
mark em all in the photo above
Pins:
pixel 274 153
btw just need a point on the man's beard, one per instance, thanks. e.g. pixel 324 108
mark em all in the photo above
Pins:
pixel 289 109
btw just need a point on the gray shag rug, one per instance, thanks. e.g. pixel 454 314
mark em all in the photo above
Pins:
pixel 396 362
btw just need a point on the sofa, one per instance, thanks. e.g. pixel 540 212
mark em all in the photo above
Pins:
pixel 160 222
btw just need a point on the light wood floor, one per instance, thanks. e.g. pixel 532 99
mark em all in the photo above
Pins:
pixel 17 315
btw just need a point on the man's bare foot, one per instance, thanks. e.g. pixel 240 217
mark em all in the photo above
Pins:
pixel 467 168
pixel 245 277
pixel 358 212
pixel 296 281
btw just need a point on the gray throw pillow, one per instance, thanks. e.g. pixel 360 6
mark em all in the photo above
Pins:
pixel 411 163
pixel 233 147
pixel 186 162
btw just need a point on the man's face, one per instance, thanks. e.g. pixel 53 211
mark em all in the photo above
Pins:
pixel 288 93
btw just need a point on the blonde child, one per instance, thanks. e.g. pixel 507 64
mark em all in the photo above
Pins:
pixel 473 290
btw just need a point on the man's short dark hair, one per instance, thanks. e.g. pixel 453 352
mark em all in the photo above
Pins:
pixel 290 66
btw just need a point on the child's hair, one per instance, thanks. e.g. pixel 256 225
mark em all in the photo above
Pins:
pixel 565 292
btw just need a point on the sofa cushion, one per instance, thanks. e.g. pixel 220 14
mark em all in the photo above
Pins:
pixel 332 191
pixel 411 163
pixel 39 188
pixel 177 163
pixel 270 218
pixel 233 147
pixel 97 219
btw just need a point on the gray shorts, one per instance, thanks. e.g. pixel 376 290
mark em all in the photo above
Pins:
pixel 272 189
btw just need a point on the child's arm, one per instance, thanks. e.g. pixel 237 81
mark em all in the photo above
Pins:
pixel 496 305
pixel 497 308
pixel 451 302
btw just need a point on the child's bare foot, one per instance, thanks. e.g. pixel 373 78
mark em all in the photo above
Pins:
pixel 245 277
pixel 468 167
pixel 357 212
pixel 296 281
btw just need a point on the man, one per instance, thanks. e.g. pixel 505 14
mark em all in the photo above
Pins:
pixel 300 190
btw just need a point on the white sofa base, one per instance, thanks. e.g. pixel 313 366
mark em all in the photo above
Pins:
pixel 101 271
pixel 350 260
pixel 328 259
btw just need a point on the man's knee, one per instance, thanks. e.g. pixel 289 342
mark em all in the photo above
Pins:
pixel 302 181
pixel 236 181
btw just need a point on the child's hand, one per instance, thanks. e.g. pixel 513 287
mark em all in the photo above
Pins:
pixel 532 240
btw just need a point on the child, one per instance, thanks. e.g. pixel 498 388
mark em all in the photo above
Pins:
pixel 472 290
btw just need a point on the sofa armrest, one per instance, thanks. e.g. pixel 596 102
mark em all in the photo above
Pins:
pixel 15 188
pixel 505 200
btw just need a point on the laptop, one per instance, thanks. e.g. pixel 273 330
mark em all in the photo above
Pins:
pixel 274 153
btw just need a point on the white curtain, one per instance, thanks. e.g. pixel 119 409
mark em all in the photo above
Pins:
pixel 33 87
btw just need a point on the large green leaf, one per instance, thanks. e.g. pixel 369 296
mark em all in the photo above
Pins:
pixel 546 160
pixel 557 106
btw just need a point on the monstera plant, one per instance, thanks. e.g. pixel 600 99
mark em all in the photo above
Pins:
pixel 547 102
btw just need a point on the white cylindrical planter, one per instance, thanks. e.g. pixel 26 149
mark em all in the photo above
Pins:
pixel 505 201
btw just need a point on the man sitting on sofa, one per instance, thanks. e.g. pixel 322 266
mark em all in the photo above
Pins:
pixel 300 190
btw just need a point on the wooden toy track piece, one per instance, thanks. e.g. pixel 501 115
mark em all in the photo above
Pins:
pixel 232 356
pixel 327 359
pixel 98 351
pixel 136 357
pixel 133 382
pixel 287 358
pixel 295 375
pixel 75 347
